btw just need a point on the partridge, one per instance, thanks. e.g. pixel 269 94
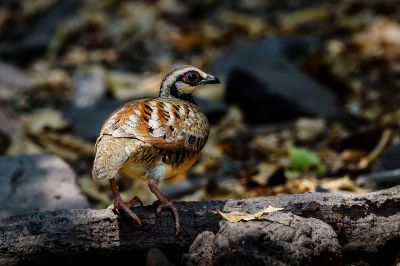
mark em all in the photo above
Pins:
pixel 154 138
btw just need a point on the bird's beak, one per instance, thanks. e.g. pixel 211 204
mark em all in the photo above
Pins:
pixel 210 79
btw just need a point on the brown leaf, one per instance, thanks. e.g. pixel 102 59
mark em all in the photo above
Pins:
pixel 38 121
pixel 342 184
pixel 381 39
pixel 235 217
pixel 124 85
pixel 308 129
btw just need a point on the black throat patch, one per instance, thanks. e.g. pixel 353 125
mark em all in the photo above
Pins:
pixel 174 92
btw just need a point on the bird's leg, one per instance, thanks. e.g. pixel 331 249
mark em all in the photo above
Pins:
pixel 119 204
pixel 164 202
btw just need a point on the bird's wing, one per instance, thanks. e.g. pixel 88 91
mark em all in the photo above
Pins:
pixel 163 122
pixel 111 154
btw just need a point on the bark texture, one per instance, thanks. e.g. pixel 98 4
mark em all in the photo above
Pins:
pixel 313 228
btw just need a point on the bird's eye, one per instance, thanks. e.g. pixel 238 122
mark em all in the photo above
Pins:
pixel 191 78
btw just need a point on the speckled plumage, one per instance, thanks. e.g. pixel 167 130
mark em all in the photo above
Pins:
pixel 149 134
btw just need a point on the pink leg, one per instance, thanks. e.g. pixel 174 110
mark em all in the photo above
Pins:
pixel 164 203
pixel 119 204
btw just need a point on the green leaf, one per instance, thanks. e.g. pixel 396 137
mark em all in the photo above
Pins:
pixel 56 43
pixel 305 160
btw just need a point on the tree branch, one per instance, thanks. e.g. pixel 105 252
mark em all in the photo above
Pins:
pixel 365 225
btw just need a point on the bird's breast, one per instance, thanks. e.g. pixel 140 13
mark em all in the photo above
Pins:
pixel 167 164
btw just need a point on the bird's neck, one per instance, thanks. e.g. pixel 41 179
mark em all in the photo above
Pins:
pixel 172 91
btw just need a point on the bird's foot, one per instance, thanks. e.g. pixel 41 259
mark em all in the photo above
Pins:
pixel 169 204
pixel 119 204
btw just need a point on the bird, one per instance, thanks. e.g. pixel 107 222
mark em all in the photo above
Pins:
pixel 154 138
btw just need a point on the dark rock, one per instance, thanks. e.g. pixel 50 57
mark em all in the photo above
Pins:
pixel 386 171
pixel 389 160
pixel 378 180
pixel 87 121
pixel 267 85
pixel 30 183
pixel 291 48
pixel 278 239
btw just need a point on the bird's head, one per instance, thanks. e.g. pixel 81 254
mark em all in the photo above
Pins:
pixel 183 81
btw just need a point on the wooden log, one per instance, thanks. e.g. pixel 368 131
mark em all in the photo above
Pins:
pixel 367 228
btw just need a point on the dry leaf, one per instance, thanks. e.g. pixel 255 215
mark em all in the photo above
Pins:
pixel 126 85
pixel 381 38
pixel 65 145
pixel 38 121
pixel 308 129
pixel 235 217
pixel 349 160
pixel 342 184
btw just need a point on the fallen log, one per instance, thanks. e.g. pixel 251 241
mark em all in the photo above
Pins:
pixel 366 227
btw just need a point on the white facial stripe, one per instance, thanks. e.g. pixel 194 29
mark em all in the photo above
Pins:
pixel 184 88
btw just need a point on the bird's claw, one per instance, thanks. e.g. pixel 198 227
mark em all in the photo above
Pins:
pixel 125 206
pixel 169 205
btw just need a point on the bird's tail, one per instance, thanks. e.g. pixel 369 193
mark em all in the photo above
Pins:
pixel 110 157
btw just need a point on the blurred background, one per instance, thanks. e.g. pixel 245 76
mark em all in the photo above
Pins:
pixel 309 99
